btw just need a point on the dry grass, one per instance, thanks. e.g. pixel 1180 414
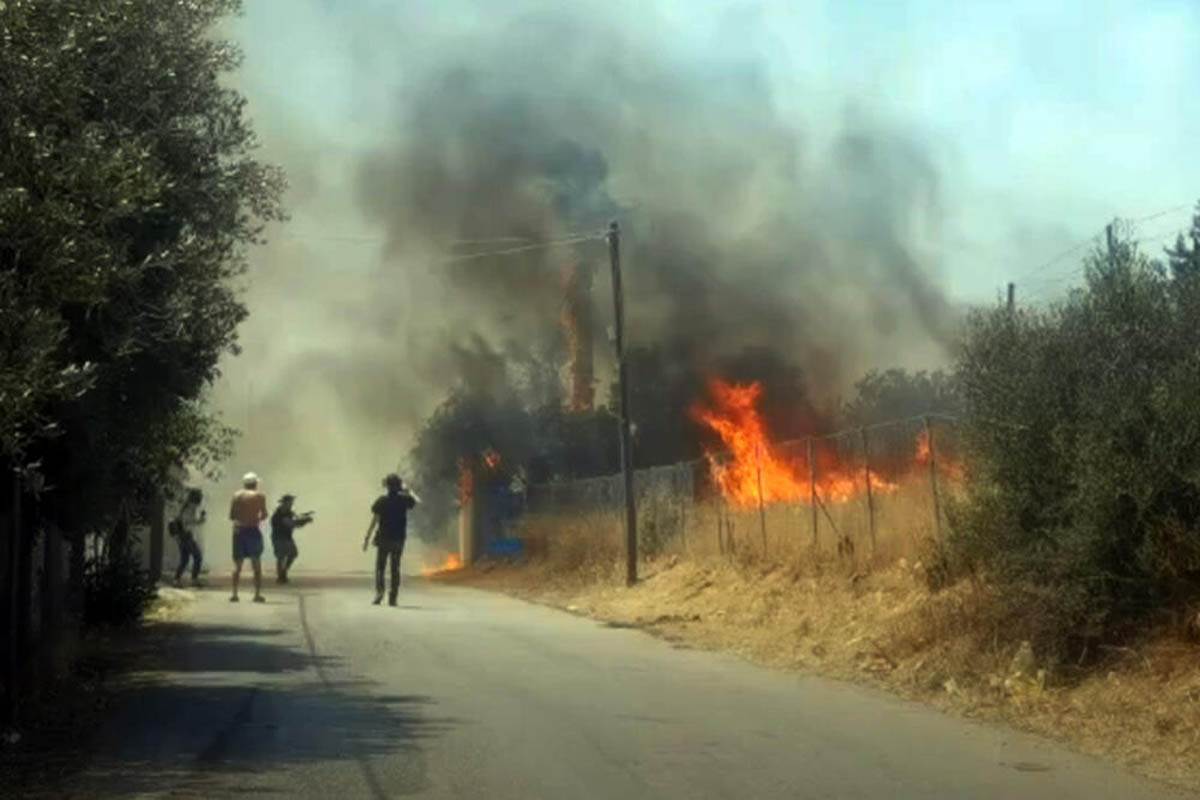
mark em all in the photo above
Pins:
pixel 868 618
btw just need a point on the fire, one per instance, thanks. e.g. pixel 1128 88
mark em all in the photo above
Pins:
pixel 949 468
pixel 923 449
pixel 753 462
pixel 452 563
pixel 755 468
pixel 466 481
pixel 576 322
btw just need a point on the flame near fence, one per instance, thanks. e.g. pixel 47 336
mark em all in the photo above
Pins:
pixel 875 492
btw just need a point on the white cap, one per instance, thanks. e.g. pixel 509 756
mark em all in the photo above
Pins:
pixel 249 479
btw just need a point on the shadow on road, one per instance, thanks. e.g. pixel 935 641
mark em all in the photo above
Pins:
pixel 313 580
pixel 269 733
pixel 197 647
pixel 218 710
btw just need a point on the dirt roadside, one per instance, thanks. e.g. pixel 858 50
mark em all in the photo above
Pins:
pixel 62 724
pixel 1141 709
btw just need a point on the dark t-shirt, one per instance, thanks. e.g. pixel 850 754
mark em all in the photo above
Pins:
pixel 393 516
pixel 283 522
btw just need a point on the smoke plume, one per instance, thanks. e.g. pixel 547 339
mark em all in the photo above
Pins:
pixel 747 224
pixel 739 230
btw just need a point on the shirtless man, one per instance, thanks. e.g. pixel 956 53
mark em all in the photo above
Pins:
pixel 247 511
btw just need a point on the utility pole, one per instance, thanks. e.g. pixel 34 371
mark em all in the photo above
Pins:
pixel 631 558
pixel 1012 296
pixel 933 481
pixel 862 435
pixel 1108 236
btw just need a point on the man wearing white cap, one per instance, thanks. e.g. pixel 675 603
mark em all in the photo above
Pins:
pixel 247 511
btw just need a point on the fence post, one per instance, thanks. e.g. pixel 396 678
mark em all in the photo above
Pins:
pixel 933 481
pixel 720 529
pixel 762 514
pixel 684 495
pixel 862 435
pixel 812 490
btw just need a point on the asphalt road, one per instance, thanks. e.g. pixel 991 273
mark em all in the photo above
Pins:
pixel 463 694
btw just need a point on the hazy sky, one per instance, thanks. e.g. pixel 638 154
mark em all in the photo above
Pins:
pixel 1046 118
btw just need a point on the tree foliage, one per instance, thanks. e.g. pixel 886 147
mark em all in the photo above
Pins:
pixel 1084 438
pixel 883 396
pixel 128 197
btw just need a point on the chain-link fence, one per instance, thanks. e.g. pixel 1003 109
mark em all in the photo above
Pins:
pixel 875 492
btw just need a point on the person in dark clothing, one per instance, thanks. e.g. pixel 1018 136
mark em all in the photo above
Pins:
pixel 284 522
pixel 183 529
pixel 389 525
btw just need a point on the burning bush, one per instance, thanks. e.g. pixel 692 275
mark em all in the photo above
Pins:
pixel 1084 437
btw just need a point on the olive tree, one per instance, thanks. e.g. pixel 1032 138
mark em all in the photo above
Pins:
pixel 129 198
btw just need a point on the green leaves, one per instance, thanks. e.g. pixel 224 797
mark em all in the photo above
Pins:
pixel 1083 429
pixel 128 198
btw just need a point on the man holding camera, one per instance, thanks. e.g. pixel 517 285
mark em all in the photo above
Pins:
pixel 389 527
pixel 284 522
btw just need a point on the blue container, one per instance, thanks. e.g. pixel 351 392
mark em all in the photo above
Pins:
pixel 505 548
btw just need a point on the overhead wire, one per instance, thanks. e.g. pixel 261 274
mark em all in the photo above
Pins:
pixel 1041 281
pixel 1163 213
pixel 530 244
pixel 524 248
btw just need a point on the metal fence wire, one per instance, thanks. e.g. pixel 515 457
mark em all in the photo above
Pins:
pixel 873 490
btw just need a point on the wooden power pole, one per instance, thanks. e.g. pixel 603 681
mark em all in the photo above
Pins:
pixel 631 557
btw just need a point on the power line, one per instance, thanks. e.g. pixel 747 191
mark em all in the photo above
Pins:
pixel 496 240
pixel 524 249
pixel 1073 249
pixel 1062 277
pixel 531 244
pixel 1162 213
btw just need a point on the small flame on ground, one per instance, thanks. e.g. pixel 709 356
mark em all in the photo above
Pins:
pixel 451 564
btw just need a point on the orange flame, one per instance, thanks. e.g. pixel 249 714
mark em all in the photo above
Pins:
pixel 754 467
pixel 466 481
pixel 576 322
pixel 923 450
pixel 947 467
pixel 452 563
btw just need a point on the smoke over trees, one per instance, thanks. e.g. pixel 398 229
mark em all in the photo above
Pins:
pixel 744 234
pixel 751 223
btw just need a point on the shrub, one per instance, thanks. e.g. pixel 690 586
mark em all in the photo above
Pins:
pixel 1083 435
pixel 116 589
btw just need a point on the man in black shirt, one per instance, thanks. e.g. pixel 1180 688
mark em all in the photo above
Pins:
pixel 389 524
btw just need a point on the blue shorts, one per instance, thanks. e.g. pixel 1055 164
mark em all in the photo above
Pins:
pixel 247 543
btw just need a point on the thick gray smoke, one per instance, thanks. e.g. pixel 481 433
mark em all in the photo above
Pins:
pixel 740 231
pixel 472 130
